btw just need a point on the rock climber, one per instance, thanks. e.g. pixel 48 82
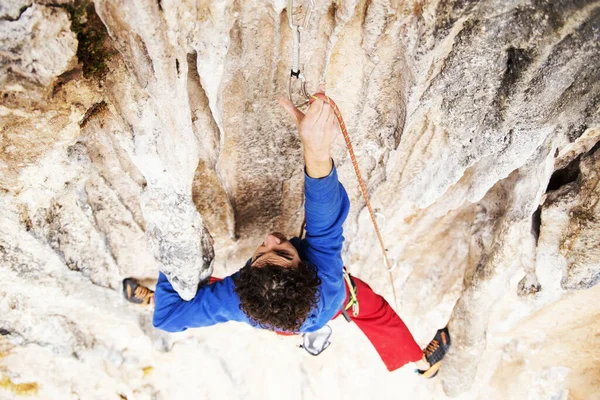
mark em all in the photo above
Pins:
pixel 297 286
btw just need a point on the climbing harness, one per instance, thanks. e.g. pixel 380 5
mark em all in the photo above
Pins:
pixel 295 72
pixel 316 342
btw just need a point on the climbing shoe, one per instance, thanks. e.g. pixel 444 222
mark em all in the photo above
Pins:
pixel 136 293
pixel 435 352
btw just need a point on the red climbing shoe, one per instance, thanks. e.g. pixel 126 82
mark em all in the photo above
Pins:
pixel 435 352
pixel 136 293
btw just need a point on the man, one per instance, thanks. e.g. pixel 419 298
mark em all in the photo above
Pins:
pixel 297 286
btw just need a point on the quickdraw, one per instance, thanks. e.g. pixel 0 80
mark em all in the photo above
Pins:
pixel 295 72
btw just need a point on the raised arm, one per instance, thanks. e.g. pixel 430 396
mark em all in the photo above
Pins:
pixel 326 199
pixel 326 209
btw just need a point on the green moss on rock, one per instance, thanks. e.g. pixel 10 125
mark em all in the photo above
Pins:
pixel 93 50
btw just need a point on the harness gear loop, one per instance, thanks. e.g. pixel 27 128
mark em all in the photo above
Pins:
pixel 295 71
pixel 353 302
pixel 363 187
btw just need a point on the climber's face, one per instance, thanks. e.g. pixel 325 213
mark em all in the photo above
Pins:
pixel 276 250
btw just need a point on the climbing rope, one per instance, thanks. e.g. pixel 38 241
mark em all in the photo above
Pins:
pixel 296 73
pixel 361 182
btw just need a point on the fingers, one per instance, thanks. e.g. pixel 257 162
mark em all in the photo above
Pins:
pixel 325 110
pixel 323 115
pixel 291 109
pixel 330 115
pixel 315 109
pixel 335 125
pixel 318 109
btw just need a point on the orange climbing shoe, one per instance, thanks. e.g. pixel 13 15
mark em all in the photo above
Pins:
pixel 136 293
pixel 435 352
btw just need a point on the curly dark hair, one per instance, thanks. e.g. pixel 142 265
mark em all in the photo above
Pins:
pixel 278 298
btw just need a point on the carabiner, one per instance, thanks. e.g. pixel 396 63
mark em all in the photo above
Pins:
pixel 303 92
pixel 295 70
pixel 290 8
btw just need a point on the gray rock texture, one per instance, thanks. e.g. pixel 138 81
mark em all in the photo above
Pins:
pixel 37 44
pixel 577 197
pixel 143 135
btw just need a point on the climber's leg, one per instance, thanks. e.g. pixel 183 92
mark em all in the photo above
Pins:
pixel 384 328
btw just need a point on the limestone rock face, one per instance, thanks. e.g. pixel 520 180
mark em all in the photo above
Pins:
pixel 578 200
pixel 37 44
pixel 141 135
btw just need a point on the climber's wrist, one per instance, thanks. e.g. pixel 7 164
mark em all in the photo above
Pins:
pixel 318 165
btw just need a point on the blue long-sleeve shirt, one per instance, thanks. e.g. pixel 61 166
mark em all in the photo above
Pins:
pixel 326 208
